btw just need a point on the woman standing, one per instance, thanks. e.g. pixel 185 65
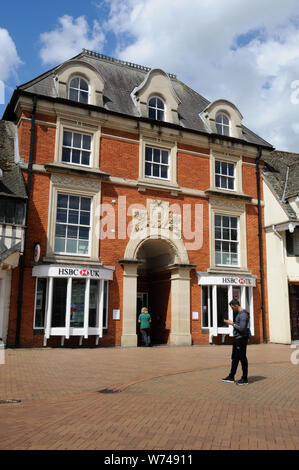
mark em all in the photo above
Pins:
pixel 145 320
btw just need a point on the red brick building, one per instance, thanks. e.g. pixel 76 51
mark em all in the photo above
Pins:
pixel 142 193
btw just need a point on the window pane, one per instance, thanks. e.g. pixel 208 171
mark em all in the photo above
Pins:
pixel 219 128
pixel 74 95
pixel 86 142
pixel 77 303
pixel 40 303
pixel 85 158
pixel 230 183
pixel 84 218
pixel 59 302
pixel 222 306
pixel 223 183
pixel 84 233
pixel 157 155
pixel 218 233
pixel 224 168
pixel 83 84
pixel 67 138
pixel 225 221
pixel 148 154
pixel 72 231
pixel 93 304
pixel 160 115
pixel 156 170
pixel 231 169
pixel 152 102
pixel 66 154
pixel 233 247
pixel 217 220
pixel 225 234
pixel 83 247
pixel 59 245
pixel 234 259
pixel 60 231
pixel 61 215
pixel 77 140
pixel 85 203
pixel 151 113
pixel 218 258
pixel 217 181
pixel 74 202
pixel 62 200
pixel 233 234
pixel 165 157
pixel 20 213
pixel 75 82
pixel 225 246
pixel 73 217
pixel 226 130
pixel 148 169
pixel 226 258
pixel 217 167
pixel 204 306
pixel 71 246
pixel 9 212
pixel 83 97
pixel 217 245
pixel 164 172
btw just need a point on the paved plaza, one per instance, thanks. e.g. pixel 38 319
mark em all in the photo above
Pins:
pixel 162 397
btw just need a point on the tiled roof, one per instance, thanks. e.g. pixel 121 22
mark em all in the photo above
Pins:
pixel 121 78
pixel 282 173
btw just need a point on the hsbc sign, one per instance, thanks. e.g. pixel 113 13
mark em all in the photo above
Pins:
pixel 83 272
pixel 229 280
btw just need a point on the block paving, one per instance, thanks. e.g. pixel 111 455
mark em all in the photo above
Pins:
pixel 163 397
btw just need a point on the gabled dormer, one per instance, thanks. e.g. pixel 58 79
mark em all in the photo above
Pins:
pixel 224 118
pixel 79 81
pixel 156 99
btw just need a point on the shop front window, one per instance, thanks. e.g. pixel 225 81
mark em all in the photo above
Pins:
pixel 77 303
pixel 222 306
pixel 207 307
pixel 59 303
pixel 40 303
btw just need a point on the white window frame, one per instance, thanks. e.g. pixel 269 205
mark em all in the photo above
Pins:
pixel 222 124
pixel 77 148
pixel 67 224
pixel 160 164
pixel 78 89
pixel 227 177
pixel 156 108
pixel 228 241
pixel 226 158
pixel 80 128
pixel 40 328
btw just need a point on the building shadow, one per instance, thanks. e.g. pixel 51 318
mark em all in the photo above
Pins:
pixel 256 378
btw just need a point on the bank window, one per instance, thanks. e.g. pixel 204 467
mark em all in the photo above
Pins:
pixel 226 240
pixel 73 220
pixel 40 303
pixel 206 307
pixel 76 148
pixel 224 175
pixel 78 299
pixel 156 163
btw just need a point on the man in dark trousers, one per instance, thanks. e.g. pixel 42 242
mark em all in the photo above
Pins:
pixel 241 334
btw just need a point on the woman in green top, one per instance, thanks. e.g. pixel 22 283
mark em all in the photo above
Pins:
pixel 145 320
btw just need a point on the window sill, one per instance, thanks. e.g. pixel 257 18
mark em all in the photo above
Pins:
pixel 158 184
pixel 75 169
pixel 227 192
pixel 228 270
pixel 69 259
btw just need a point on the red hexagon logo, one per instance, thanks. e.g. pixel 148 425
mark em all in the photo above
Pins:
pixel 241 280
pixel 84 272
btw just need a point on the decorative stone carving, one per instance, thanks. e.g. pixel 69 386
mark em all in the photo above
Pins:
pixel 156 220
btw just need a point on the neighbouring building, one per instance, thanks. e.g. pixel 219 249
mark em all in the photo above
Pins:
pixel 142 193
pixel 12 217
pixel 281 196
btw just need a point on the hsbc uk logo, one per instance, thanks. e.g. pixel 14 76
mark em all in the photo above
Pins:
pixel 84 272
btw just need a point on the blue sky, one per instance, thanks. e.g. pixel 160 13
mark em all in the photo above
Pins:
pixel 246 52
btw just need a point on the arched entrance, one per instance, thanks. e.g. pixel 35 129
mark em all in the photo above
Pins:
pixel 159 265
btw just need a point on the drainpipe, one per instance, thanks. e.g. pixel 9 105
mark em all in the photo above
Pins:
pixel 22 259
pixel 258 184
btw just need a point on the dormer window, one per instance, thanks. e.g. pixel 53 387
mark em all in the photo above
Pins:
pixel 79 90
pixel 156 109
pixel 223 124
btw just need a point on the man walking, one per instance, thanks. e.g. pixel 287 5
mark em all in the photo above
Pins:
pixel 241 334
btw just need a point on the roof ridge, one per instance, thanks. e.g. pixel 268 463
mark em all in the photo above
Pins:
pixel 108 58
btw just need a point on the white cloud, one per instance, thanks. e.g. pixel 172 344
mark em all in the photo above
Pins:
pixel 69 38
pixel 9 59
pixel 247 52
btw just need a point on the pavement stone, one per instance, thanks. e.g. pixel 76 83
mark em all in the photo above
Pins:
pixel 169 398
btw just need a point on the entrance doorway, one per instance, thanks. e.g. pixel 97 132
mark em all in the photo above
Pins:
pixel 294 311
pixel 142 301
